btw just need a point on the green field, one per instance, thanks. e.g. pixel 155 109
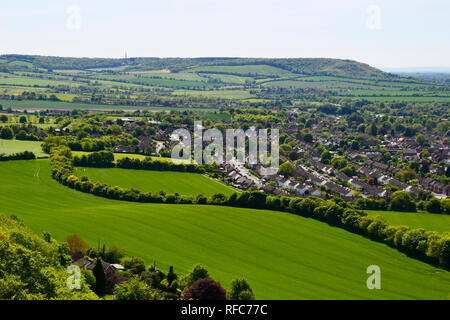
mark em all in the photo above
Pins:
pixel 14 146
pixel 428 221
pixel 244 70
pixel 225 94
pixel 154 181
pixel 38 104
pixel 283 256
pixel 118 156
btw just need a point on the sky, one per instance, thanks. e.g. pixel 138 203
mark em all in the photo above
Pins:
pixel 383 33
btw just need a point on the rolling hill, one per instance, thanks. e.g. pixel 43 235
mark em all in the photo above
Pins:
pixel 283 256
pixel 308 66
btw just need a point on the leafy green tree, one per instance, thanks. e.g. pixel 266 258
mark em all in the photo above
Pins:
pixel 134 265
pixel 444 256
pixel 6 133
pixel 241 290
pixel 287 169
pixel 133 289
pixel 355 145
pixel 197 272
pixel 3 118
pixel 339 163
pixel 372 129
pixel 113 254
pixel 408 174
pixel 433 206
pixel 422 140
pixel 402 201
pixel 325 157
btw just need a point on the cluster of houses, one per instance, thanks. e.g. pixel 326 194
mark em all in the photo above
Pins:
pixel 112 276
pixel 371 181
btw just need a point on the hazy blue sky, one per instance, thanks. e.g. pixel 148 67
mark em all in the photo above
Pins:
pixel 382 33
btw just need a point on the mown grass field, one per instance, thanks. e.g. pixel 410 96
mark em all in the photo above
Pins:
pixel 154 181
pixel 428 221
pixel 14 146
pixel 282 255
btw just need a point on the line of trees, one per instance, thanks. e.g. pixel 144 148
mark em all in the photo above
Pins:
pixel 155 164
pixel 25 155
pixel 402 201
pixel 428 246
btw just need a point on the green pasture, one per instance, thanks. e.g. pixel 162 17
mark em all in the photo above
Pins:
pixel 283 256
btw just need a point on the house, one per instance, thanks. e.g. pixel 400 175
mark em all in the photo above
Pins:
pixel 128 120
pixel 112 278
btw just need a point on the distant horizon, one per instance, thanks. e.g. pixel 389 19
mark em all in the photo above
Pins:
pixel 406 69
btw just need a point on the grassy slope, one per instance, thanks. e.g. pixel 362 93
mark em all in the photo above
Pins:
pixel 14 146
pixel 282 255
pixel 170 182
pixel 428 221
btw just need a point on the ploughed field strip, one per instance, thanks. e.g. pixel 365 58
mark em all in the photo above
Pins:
pixel 282 255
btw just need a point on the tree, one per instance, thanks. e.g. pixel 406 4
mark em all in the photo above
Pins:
pixel 198 272
pixel 408 174
pixel 113 254
pixel 205 289
pixel 422 140
pixel 76 243
pixel 4 118
pixel 402 201
pixel 23 119
pixel 287 169
pixel 133 289
pixel 355 145
pixel 100 278
pixel 325 157
pixel 433 206
pixel 307 137
pixel 240 290
pixel 444 256
pixel 339 163
pixel 372 129
pixel 134 265
pixel 6 133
